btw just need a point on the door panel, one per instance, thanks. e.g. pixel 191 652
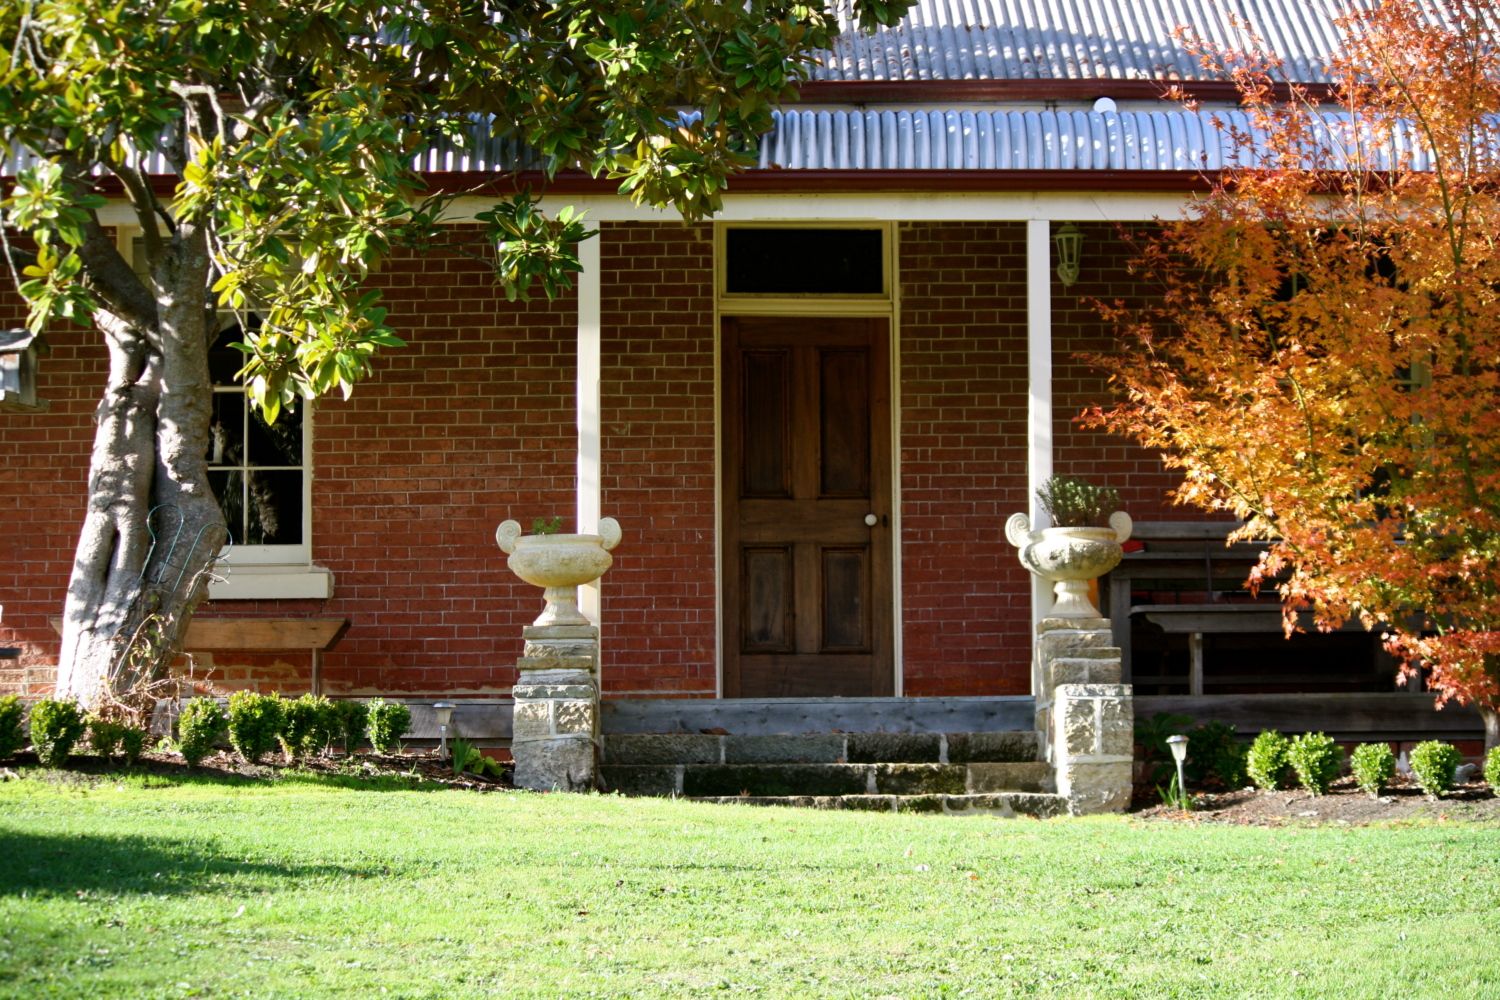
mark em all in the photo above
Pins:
pixel 807 463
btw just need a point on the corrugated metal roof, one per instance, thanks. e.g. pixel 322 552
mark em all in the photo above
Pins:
pixel 1078 39
pixel 1171 139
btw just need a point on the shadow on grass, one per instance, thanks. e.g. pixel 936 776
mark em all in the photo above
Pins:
pixel 84 772
pixel 43 865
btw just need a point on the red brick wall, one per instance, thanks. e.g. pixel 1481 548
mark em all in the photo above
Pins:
pixel 473 422
pixel 1143 482
pixel 657 405
pixel 963 392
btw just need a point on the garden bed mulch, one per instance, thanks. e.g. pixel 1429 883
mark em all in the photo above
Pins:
pixel 377 768
pixel 1344 805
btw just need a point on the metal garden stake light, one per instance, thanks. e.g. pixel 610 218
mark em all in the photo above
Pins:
pixel 1178 745
pixel 444 712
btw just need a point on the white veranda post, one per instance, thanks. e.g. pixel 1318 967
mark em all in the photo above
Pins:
pixel 1039 382
pixel 589 458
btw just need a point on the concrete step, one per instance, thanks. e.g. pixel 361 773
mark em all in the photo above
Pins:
pixel 772 716
pixel 802 780
pixel 1006 804
pixel 820 748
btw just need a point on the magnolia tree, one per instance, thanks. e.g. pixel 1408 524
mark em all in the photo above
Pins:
pixel 262 151
pixel 1325 361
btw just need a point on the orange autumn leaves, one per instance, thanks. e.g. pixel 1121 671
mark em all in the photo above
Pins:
pixel 1324 359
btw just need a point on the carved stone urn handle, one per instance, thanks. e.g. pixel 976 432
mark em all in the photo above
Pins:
pixel 1018 530
pixel 507 534
pixel 609 533
pixel 1123 525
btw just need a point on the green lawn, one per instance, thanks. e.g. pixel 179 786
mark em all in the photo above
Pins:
pixel 155 888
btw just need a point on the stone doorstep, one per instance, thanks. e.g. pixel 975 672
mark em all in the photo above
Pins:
pixel 1000 804
pixel 781 780
pixel 819 748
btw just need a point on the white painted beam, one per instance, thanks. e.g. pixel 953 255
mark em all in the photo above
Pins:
pixel 589 423
pixel 1039 391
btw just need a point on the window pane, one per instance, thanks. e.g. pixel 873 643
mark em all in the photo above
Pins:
pixel 226 437
pixel 224 361
pixel 276 444
pixel 275 515
pixel 229 490
pixel 804 261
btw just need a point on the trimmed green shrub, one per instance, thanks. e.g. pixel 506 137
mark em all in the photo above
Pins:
pixel 254 723
pixel 1317 759
pixel 55 727
pixel 1267 762
pixel 1374 765
pixel 352 718
pixel 308 725
pixel 200 725
pixel 105 735
pixel 387 721
pixel 1491 769
pixel 12 738
pixel 132 742
pixel 1433 763
pixel 1214 753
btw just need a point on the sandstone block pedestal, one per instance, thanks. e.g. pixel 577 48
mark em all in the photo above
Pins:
pixel 1084 714
pixel 556 716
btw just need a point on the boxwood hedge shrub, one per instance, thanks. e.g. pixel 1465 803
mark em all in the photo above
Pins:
pixel 1267 762
pixel 1433 763
pixel 1317 759
pixel 254 723
pixel 104 735
pixel 387 721
pixel 1374 765
pixel 200 726
pixel 308 725
pixel 352 718
pixel 1214 753
pixel 1491 769
pixel 55 727
pixel 12 737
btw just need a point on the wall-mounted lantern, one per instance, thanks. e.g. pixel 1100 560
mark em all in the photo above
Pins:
pixel 1069 243
pixel 18 366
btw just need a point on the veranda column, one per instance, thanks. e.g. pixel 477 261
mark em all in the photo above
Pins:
pixel 589 421
pixel 1039 396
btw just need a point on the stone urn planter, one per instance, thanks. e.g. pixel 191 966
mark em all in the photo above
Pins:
pixel 559 564
pixel 1069 558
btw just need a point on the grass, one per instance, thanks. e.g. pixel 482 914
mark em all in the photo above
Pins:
pixel 148 887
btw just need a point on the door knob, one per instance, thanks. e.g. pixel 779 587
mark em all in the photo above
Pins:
pixel 871 520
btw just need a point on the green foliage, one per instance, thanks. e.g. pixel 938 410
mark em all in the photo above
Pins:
pixel 1175 795
pixel 1077 503
pixel 546 525
pixel 467 757
pixel 308 725
pixel 104 735
pixel 200 726
pixel 12 738
pixel 132 742
pixel 1433 763
pixel 1317 759
pixel 1215 754
pixel 1267 762
pixel 352 718
pixel 254 723
pixel 388 721
pixel 1374 765
pixel 1491 769
pixel 55 726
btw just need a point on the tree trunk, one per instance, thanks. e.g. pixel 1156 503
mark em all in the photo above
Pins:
pixel 1491 718
pixel 153 528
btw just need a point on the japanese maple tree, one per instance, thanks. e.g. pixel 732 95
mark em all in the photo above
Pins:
pixel 1325 360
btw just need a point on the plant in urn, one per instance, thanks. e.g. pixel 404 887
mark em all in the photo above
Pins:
pixel 558 563
pixel 1082 545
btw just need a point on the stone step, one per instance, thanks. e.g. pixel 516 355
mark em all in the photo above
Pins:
pixel 801 780
pixel 819 748
pixel 770 716
pixel 1005 804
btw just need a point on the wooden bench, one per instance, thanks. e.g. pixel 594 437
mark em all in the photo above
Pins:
pixel 254 635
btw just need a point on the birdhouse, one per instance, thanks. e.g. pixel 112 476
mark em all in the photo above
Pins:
pixel 18 366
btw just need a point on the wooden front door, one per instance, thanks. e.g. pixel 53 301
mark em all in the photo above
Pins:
pixel 806 504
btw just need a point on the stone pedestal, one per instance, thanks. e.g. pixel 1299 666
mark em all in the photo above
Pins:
pixel 556 723
pixel 1084 713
